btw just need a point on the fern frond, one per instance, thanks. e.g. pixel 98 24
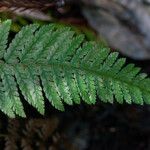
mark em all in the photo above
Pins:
pixel 65 68
pixel 4 30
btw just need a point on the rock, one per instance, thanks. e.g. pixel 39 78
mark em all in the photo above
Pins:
pixel 124 24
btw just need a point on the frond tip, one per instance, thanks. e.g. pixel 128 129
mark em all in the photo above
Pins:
pixel 65 68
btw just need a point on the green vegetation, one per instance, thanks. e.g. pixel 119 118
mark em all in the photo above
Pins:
pixel 60 64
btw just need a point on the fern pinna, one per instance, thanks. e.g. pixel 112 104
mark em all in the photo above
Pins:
pixel 65 68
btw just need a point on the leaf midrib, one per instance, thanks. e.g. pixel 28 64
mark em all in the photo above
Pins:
pixel 82 68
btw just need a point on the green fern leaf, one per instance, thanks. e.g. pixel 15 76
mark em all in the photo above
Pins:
pixel 4 30
pixel 65 68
